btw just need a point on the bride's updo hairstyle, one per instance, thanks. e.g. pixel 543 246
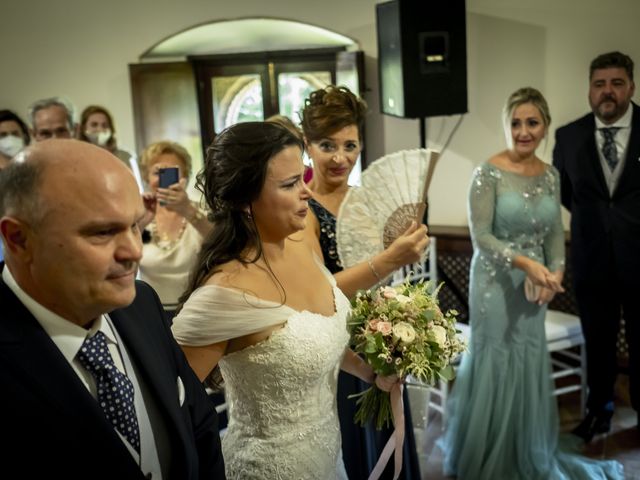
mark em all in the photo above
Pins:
pixel 232 178
pixel 329 110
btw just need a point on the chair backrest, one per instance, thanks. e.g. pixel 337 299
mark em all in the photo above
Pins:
pixel 424 270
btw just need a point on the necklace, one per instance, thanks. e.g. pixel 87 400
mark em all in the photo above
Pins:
pixel 162 239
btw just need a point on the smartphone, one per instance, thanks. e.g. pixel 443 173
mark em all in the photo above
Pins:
pixel 168 176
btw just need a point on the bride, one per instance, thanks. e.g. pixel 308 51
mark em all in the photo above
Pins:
pixel 263 308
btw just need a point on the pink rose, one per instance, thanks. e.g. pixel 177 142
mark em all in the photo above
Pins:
pixel 385 328
pixel 373 324
pixel 389 292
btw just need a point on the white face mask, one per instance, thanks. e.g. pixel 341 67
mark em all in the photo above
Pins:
pixel 11 145
pixel 99 138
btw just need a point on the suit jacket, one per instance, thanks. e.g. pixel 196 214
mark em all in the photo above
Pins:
pixel 53 427
pixel 605 229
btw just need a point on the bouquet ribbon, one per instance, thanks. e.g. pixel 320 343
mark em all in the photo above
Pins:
pixel 396 440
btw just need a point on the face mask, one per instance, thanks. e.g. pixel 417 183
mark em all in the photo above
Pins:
pixel 99 138
pixel 11 145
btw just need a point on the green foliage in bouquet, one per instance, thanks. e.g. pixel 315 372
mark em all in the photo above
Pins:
pixel 401 330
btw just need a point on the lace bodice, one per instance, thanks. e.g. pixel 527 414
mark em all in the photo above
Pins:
pixel 281 392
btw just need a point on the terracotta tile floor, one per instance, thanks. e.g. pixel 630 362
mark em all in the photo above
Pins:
pixel 622 443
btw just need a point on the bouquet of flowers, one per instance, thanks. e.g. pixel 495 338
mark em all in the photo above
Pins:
pixel 401 330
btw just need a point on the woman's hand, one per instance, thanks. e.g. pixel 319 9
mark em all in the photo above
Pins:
pixel 150 205
pixel 175 198
pixel 539 274
pixel 407 248
pixel 546 295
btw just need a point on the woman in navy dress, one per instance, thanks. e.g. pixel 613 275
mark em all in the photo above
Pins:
pixel 332 122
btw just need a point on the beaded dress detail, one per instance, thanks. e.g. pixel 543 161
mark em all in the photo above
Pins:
pixel 503 420
pixel 327 221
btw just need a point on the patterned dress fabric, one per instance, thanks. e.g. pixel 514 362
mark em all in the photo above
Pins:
pixel 503 420
pixel 283 419
pixel 327 221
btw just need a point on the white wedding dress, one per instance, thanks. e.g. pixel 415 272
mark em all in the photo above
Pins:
pixel 283 420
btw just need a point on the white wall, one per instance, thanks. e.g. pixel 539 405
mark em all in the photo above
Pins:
pixel 81 49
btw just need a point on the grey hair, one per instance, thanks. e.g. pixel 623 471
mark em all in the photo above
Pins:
pixel 19 196
pixel 62 102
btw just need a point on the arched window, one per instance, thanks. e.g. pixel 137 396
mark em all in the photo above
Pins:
pixel 199 81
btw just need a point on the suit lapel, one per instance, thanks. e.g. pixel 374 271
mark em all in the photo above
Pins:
pixel 631 168
pixel 152 359
pixel 28 349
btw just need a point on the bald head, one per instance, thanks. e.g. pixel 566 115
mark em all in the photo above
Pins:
pixel 47 172
pixel 69 214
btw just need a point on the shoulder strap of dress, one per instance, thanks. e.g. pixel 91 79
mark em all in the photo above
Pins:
pixel 324 269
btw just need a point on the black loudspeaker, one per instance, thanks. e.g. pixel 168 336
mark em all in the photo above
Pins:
pixel 422 57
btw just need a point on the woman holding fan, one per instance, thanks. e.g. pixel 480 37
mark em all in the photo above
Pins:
pixel 332 121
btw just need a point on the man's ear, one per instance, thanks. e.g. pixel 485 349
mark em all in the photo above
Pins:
pixel 15 233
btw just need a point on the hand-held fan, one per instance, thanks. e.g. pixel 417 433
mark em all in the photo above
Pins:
pixel 393 194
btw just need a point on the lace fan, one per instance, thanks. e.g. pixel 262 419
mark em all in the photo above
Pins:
pixel 393 193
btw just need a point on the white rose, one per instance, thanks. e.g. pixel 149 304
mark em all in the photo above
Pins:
pixel 404 332
pixel 403 299
pixel 439 334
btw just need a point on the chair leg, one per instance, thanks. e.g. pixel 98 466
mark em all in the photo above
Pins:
pixel 583 379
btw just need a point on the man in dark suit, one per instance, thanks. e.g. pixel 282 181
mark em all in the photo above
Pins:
pixel 75 327
pixel 598 157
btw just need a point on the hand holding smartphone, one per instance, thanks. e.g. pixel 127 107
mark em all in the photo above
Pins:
pixel 168 176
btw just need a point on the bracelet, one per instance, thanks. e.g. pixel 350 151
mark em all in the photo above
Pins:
pixel 197 216
pixel 373 270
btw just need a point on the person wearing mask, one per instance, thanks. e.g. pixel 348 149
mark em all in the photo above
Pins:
pixel 14 134
pixel 96 126
pixel 51 118
pixel 98 386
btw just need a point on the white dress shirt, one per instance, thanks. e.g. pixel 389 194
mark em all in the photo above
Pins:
pixel 69 337
pixel 621 140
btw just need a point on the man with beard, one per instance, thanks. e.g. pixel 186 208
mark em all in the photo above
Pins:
pixel 96 386
pixel 598 160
